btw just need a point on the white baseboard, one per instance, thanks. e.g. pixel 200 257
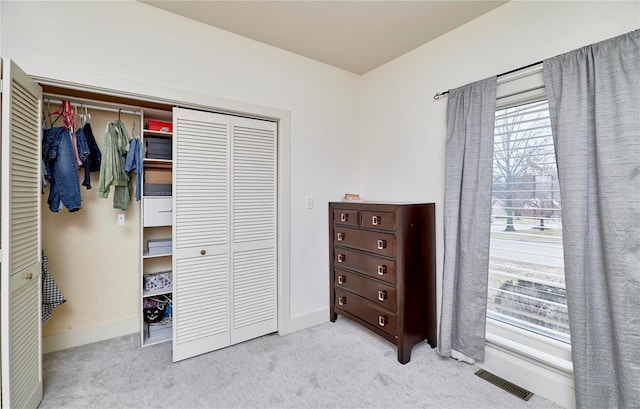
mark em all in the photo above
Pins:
pixel 546 381
pixel 87 335
pixel 298 323
pixel 82 336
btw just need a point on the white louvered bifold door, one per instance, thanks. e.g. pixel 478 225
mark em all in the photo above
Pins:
pixel 20 239
pixel 253 228
pixel 201 232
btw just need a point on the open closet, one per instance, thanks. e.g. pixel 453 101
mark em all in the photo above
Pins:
pixel 194 261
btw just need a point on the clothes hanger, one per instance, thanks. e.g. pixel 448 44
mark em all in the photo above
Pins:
pixel 67 117
pixel 86 116
pixel 58 112
pixel 133 127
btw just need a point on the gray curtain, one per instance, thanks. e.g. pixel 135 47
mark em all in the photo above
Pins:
pixel 594 100
pixel 471 112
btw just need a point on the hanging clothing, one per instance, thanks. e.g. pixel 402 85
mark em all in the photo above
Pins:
pixel 89 153
pixel 60 170
pixel 133 163
pixel 51 294
pixel 112 173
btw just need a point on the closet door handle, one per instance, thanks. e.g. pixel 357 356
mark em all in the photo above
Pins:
pixel 344 217
pixel 341 258
pixel 342 279
pixel 382 244
pixel 382 295
pixel 342 300
pixel 375 220
pixel 382 270
pixel 382 320
pixel 203 252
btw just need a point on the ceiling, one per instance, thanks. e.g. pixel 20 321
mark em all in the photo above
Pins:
pixel 357 36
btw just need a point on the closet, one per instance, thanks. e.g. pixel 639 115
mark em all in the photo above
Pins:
pixel 206 222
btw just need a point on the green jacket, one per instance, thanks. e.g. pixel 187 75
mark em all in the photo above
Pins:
pixel 116 146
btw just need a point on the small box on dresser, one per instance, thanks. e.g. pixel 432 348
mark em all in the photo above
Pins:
pixel 382 262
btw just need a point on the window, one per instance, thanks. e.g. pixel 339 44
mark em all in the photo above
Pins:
pixel 526 266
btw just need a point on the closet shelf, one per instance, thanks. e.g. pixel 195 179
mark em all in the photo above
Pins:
pixel 153 293
pixel 147 255
pixel 156 339
pixel 161 134
pixel 157 163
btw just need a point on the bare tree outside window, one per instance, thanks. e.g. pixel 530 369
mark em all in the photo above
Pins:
pixel 523 149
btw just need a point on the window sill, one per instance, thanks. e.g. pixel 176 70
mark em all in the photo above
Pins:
pixel 539 350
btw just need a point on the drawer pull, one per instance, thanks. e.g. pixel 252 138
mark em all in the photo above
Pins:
pixel 203 252
pixel 165 211
pixel 340 236
pixel 342 279
pixel 382 295
pixel 344 217
pixel 341 258
pixel 382 320
pixel 382 244
pixel 28 276
pixel 375 220
pixel 382 270
pixel 342 300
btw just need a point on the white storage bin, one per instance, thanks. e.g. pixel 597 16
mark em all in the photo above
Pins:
pixel 158 211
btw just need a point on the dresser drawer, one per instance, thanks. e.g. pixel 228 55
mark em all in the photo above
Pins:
pixel 157 211
pixel 373 266
pixel 372 290
pixel 366 311
pixel 346 217
pixel 383 244
pixel 379 220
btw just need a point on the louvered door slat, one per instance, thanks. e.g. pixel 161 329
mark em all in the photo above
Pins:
pixel 253 299
pixel 25 156
pixel 254 167
pixel 204 144
pixel 20 240
pixel 25 355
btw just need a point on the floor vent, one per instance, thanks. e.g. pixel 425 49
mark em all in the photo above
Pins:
pixel 504 384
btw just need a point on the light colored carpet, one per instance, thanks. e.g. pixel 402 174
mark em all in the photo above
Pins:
pixel 333 365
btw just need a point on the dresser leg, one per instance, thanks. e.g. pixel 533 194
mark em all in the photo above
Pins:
pixel 404 354
pixel 333 316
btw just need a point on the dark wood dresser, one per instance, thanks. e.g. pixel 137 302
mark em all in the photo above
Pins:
pixel 383 270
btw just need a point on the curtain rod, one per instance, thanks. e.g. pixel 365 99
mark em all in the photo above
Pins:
pixel 439 94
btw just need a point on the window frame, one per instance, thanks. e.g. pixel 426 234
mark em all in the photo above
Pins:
pixel 526 86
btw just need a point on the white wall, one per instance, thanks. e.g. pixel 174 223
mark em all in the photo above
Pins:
pixel 403 129
pixel 134 47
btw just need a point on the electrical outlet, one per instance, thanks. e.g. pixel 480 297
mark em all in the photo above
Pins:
pixel 308 201
pixel 121 219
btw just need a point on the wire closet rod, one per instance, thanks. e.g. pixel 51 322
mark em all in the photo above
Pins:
pixel 439 94
pixel 80 103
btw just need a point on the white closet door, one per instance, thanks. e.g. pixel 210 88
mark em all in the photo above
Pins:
pixel 201 232
pixel 20 239
pixel 253 228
